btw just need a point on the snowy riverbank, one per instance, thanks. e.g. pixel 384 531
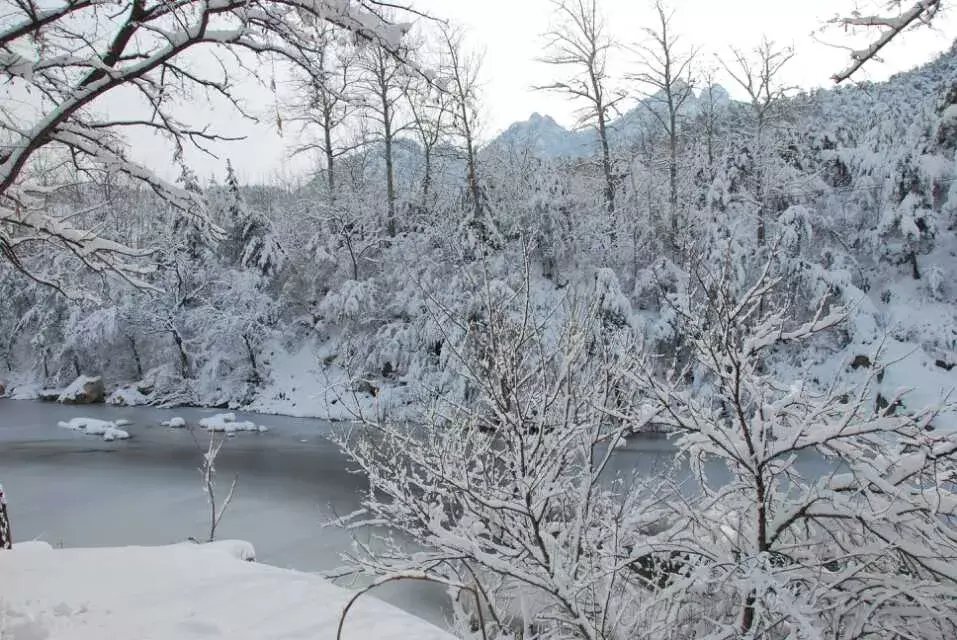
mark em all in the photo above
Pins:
pixel 180 592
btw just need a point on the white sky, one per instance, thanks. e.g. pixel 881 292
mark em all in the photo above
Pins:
pixel 510 33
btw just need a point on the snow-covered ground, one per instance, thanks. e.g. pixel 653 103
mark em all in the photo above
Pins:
pixel 299 385
pixel 180 592
pixel 73 490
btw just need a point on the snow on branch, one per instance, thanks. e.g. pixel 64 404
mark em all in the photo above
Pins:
pixel 59 62
pixel 889 27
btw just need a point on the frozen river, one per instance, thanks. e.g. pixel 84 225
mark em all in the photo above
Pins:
pixel 75 490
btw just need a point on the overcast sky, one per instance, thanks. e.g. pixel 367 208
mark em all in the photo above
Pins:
pixel 510 33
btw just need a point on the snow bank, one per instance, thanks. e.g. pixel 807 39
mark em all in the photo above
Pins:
pixel 25 392
pixel 182 592
pixel 300 385
pixel 226 423
pixel 93 427
pixel 127 397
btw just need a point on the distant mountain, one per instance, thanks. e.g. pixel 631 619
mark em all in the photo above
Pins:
pixel 542 137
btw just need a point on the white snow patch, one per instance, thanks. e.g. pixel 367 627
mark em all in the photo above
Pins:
pixel 25 392
pixel 93 427
pixel 127 397
pixel 184 592
pixel 174 423
pixel 301 385
pixel 226 423
pixel 239 549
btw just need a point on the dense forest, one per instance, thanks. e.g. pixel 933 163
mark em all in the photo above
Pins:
pixel 373 273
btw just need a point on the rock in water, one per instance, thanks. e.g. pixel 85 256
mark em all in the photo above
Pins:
pixel 49 395
pixel 83 390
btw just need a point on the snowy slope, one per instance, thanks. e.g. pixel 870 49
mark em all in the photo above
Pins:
pixel 181 592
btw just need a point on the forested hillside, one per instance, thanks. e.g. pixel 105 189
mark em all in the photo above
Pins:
pixel 355 282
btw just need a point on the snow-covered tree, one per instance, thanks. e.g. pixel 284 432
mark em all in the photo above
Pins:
pixel 580 43
pixel 59 63
pixel 667 75
pixel 820 513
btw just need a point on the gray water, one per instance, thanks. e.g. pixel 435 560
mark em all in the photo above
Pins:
pixel 74 490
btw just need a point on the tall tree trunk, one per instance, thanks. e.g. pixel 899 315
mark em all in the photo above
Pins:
pixel 606 164
pixel 914 268
pixel 474 189
pixel 427 178
pixel 330 155
pixel 389 169
pixel 673 168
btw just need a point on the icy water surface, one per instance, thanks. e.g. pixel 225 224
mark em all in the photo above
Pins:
pixel 75 490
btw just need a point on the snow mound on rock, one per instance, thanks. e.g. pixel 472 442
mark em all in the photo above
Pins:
pixel 83 390
pixel 92 427
pixel 226 423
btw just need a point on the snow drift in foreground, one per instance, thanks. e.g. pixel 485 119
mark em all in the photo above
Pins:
pixel 93 427
pixel 181 592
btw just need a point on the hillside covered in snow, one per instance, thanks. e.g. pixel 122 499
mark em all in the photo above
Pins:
pixel 308 306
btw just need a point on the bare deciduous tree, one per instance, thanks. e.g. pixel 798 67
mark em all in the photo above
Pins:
pixel 207 472
pixel 460 73
pixel 58 62
pixel 385 79
pixel 324 100
pixel 837 519
pixel 580 42
pixel 758 73
pixel 668 71
pixel 431 110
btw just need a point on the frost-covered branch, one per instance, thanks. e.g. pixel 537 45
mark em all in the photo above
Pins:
pixel 888 27
pixel 58 65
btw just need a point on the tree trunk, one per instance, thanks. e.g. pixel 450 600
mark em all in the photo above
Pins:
pixel 250 352
pixel 474 189
pixel 914 268
pixel 183 358
pixel 427 178
pixel 330 156
pixel 136 357
pixel 673 168
pixel 606 165
pixel 6 537
pixel 389 177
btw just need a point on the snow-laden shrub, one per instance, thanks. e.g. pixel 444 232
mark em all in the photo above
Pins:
pixel 351 302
